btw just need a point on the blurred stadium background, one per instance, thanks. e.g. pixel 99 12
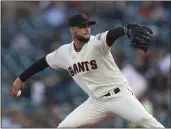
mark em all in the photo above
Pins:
pixel 32 29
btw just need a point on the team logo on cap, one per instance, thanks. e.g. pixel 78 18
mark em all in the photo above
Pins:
pixel 84 16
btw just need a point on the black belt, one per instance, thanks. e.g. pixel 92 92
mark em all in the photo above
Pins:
pixel 116 90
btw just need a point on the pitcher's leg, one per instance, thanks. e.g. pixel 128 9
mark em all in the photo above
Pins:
pixel 129 108
pixel 86 115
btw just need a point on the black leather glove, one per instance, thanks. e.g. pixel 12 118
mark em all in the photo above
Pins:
pixel 139 36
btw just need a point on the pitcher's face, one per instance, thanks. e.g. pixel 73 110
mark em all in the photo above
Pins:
pixel 82 33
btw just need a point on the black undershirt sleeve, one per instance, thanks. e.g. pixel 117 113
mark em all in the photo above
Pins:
pixel 113 34
pixel 38 66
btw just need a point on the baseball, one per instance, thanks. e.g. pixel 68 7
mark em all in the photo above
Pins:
pixel 19 93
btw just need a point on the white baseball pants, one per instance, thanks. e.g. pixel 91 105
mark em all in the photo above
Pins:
pixel 123 104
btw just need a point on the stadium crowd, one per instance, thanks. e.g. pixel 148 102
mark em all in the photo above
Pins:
pixel 32 29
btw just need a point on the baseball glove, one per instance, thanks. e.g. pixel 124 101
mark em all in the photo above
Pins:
pixel 139 36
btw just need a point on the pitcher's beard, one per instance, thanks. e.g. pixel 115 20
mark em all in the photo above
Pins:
pixel 83 39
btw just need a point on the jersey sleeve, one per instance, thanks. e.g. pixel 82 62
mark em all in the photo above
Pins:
pixel 55 59
pixel 101 42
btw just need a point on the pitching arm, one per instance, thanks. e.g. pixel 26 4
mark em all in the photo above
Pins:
pixel 36 67
pixel 52 60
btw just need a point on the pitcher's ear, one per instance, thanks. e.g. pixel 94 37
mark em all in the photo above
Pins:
pixel 71 29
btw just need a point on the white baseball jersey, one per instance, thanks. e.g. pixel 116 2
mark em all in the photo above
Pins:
pixel 93 68
pixel 95 71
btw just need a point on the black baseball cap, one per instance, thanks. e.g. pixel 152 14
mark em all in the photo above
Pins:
pixel 80 19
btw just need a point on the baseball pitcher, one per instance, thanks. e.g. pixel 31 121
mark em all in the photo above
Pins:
pixel 89 61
